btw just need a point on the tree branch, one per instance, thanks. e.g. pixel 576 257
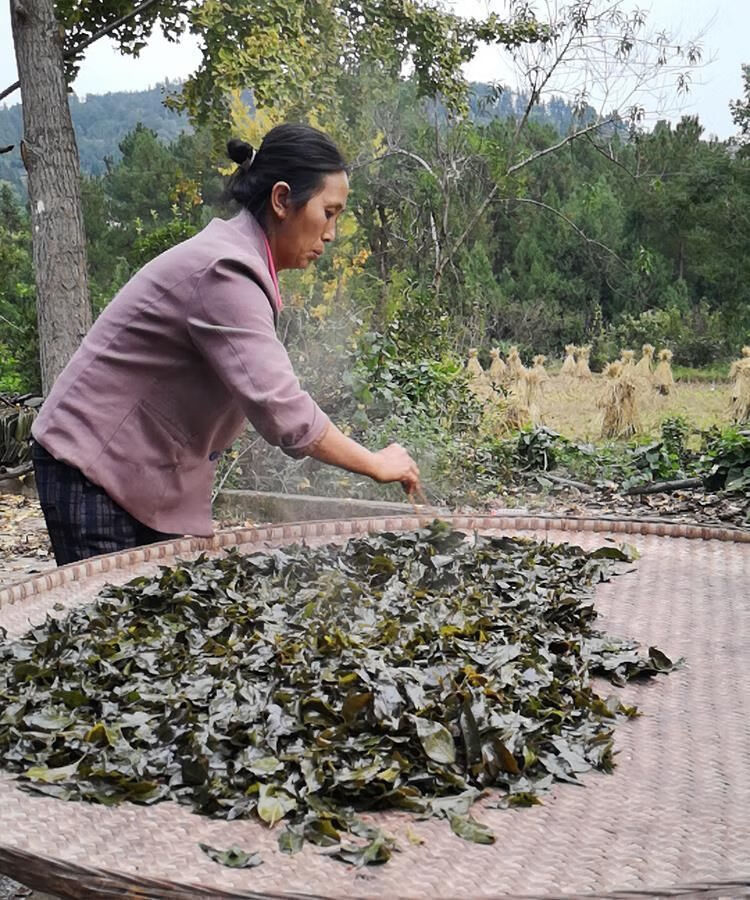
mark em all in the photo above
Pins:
pixel 16 472
pixel 467 231
pixel 568 221
pixel 102 32
pixel 659 487
pixel 493 193
pixel 566 140
pixel 611 157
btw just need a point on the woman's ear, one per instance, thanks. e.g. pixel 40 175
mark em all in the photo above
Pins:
pixel 280 196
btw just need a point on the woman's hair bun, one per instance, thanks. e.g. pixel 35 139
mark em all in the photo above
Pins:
pixel 239 151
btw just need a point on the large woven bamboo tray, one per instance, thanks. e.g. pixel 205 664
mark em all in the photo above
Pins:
pixel 673 820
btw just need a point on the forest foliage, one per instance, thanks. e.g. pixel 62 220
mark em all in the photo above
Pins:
pixel 612 241
pixel 643 241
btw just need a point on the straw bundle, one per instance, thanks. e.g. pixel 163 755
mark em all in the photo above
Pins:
pixel 569 364
pixel 663 378
pixel 498 369
pixel 740 372
pixel 619 403
pixel 738 362
pixel 645 367
pixel 478 382
pixel 515 367
pixel 627 358
pixel 532 381
pixel 582 366
pixel 539 369
pixel 516 412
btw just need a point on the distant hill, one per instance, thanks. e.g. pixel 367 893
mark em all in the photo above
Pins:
pixel 101 121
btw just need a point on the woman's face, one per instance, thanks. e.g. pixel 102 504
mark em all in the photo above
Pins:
pixel 300 234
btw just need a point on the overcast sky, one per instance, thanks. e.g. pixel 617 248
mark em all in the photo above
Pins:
pixel 726 24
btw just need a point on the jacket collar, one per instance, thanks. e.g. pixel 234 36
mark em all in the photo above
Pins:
pixel 251 230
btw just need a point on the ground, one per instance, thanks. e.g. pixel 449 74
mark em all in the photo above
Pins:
pixel 24 545
pixel 11 890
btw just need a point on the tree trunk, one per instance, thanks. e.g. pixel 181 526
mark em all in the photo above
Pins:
pixel 50 155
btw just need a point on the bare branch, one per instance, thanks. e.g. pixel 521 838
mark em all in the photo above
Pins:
pixel 481 209
pixel 230 467
pixel 566 140
pixel 611 157
pixel 570 222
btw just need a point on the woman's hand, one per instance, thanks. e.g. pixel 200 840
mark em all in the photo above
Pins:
pixel 393 463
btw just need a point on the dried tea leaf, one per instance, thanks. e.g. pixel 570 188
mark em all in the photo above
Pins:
pixel 437 741
pixel 234 857
pixel 291 839
pixel 51 776
pixel 469 829
pixel 377 851
pixel 274 804
pixel 409 671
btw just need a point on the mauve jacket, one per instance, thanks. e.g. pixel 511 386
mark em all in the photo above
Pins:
pixel 168 374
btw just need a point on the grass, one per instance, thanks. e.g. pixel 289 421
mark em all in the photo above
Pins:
pixel 571 407
pixel 706 374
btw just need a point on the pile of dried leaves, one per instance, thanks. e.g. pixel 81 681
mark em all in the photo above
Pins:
pixel 407 671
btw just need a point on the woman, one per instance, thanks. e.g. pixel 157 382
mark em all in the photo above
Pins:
pixel 127 441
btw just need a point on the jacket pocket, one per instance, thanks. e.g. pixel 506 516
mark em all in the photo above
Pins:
pixel 176 433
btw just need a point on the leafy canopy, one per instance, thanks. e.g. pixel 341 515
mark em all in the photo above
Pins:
pixel 293 53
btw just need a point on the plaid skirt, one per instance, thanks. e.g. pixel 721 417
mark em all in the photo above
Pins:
pixel 82 519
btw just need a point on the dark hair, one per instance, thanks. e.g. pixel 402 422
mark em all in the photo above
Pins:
pixel 298 154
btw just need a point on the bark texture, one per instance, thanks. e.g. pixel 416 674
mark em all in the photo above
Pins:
pixel 50 155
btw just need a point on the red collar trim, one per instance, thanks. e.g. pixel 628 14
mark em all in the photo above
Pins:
pixel 274 276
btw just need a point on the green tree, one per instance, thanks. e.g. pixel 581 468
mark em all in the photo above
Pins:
pixel 740 110
pixel 19 349
pixel 286 51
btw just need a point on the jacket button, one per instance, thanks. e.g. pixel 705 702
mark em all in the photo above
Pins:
pixel 214 455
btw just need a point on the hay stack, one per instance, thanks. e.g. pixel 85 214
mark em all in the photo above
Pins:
pixel 516 413
pixel 582 366
pixel 516 368
pixel 569 364
pixel 738 362
pixel 740 373
pixel 645 366
pixel 498 369
pixel 479 384
pixel 663 378
pixel 532 380
pixel 627 358
pixel 473 366
pixel 539 369
pixel 619 403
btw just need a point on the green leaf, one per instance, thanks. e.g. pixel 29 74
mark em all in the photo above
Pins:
pixel 524 799
pixel 470 830
pixel 623 553
pixel 234 857
pixel 291 839
pixel 51 776
pixel 355 704
pixel 274 804
pixel 321 831
pixel 437 741
pixel 266 765
pixel 376 852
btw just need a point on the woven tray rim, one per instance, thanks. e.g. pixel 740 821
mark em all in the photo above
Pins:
pixel 79 882
pixel 68 879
